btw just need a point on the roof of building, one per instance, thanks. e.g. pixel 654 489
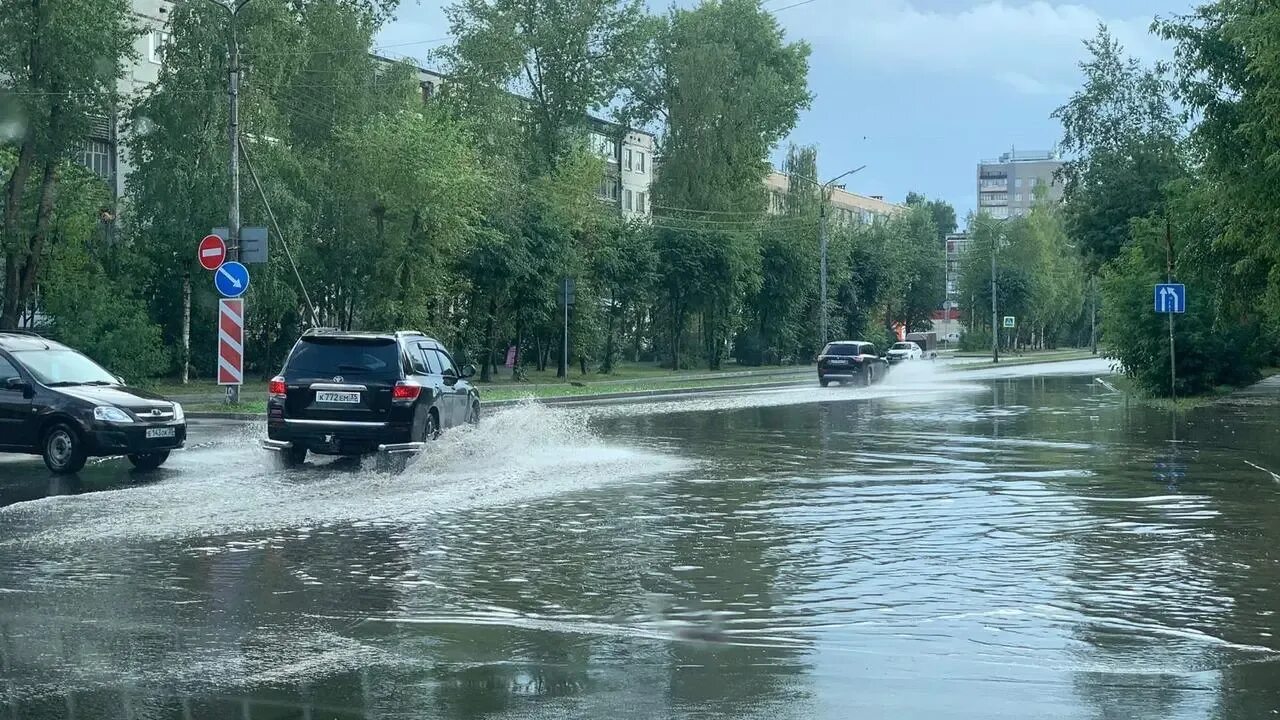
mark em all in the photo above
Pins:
pixel 842 198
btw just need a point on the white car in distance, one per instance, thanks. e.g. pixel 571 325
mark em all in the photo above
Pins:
pixel 904 351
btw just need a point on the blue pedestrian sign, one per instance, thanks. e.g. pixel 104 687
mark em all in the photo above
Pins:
pixel 1171 298
pixel 232 279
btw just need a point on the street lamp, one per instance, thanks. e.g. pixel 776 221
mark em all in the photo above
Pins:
pixel 995 327
pixel 825 188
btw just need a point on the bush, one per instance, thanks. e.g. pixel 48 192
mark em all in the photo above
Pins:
pixel 1212 349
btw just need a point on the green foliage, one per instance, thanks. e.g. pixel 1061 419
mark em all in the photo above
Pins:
pixel 1123 135
pixel 1146 205
pixel 59 66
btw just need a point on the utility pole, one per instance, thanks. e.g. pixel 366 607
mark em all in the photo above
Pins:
pixel 995 327
pixel 824 191
pixel 822 272
pixel 233 9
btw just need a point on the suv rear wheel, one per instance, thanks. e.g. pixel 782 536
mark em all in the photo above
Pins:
pixel 291 457
pixel 63 449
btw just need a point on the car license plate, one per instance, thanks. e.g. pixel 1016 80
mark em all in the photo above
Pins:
pixel 160 432
pixel 837 362
pixel 350 398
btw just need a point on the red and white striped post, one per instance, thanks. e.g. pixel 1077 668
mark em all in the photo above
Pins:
pixel 230 341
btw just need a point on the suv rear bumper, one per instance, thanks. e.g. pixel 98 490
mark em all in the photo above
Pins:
pixel 338 437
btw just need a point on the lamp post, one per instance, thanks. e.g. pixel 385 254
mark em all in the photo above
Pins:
pixel 825 189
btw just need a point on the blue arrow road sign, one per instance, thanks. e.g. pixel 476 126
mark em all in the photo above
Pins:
pixel 1171 298
pixel 232 279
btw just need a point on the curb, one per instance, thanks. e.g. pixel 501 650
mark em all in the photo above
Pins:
pixel 638 394
pixel 564 400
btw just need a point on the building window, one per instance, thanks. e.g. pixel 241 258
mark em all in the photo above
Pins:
pixel 97 157
pixel 626 198
pixel 1017 197
pixel 156 44
pixel 428 89
pixel 626 162
pixel 642 202
pixel 641 161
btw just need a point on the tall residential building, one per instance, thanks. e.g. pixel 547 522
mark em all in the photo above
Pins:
pixel 846 207
pixel 1007 185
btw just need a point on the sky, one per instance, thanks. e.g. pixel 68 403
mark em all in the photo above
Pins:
pixel 918 91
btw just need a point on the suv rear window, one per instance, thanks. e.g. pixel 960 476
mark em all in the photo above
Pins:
pixel 849 349
pixel 335 357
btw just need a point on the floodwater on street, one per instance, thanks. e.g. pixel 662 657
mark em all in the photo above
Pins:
pixel 1014 542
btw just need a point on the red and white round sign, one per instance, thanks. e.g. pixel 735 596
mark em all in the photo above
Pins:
pixel 212 253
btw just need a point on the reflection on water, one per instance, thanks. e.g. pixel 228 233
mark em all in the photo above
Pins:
pixel 1016 548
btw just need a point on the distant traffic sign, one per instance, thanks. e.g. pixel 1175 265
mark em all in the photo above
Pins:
pixel 212 252
pixel 1171 298
pixel 232 279
pixel 1009 321
pixel 230 341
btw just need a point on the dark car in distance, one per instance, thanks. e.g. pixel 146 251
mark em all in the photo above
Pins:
pixel 59 404
pixel 850 361
pixel 358 393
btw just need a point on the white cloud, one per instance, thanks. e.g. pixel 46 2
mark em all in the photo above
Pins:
pixel 1031 47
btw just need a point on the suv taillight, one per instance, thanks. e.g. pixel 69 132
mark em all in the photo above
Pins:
pixel 276 388
pixel 406 391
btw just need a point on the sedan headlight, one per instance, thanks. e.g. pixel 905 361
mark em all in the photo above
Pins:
pixel 108 413
pixel 178 416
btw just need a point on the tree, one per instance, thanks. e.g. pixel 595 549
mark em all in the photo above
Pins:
pixel 726 87
pixel 45 46
pixel 944 214
pixel 1123 135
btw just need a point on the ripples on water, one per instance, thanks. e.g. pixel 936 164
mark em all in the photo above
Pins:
pixel 928 548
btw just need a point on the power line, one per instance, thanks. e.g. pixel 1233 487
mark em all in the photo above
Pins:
pixel 792 5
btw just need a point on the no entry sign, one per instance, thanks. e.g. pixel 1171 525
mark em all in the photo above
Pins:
pixel 212 252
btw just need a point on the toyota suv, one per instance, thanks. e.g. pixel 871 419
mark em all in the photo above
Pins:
pixel 59 404
pixel 850 360
pixel 359 393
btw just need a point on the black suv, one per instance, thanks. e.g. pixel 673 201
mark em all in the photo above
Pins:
pixel 59 404
pixel 355 393
pixel 851 360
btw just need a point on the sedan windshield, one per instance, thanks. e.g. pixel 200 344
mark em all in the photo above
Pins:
pixel 903 346
pixel 64 367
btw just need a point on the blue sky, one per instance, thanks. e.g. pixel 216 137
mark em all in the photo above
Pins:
pixel 916 90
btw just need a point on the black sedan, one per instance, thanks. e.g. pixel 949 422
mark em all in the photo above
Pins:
pixel 850 361
pixel 59 404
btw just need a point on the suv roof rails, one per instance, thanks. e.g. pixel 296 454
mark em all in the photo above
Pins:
pixel 23 331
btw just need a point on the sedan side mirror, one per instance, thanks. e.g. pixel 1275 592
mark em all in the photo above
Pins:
pixel 468 371
pixel 120 379
pixel 18 384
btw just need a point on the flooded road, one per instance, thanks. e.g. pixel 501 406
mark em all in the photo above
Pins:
pixel 1005 543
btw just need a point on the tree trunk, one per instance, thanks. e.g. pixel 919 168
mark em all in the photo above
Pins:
pixel 16 297
pixel 488 366
pixel 606 367
pixel 515 365
pixel 14 190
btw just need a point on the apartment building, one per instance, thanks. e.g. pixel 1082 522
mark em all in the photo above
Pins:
pixel 629 156
pixel 1007 185
pixel 846 207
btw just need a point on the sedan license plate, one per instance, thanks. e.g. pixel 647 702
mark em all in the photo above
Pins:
pixel 160 432
pixel 349 398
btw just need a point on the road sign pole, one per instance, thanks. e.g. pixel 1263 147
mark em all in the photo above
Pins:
pixel 1168 260
pixel 995 328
